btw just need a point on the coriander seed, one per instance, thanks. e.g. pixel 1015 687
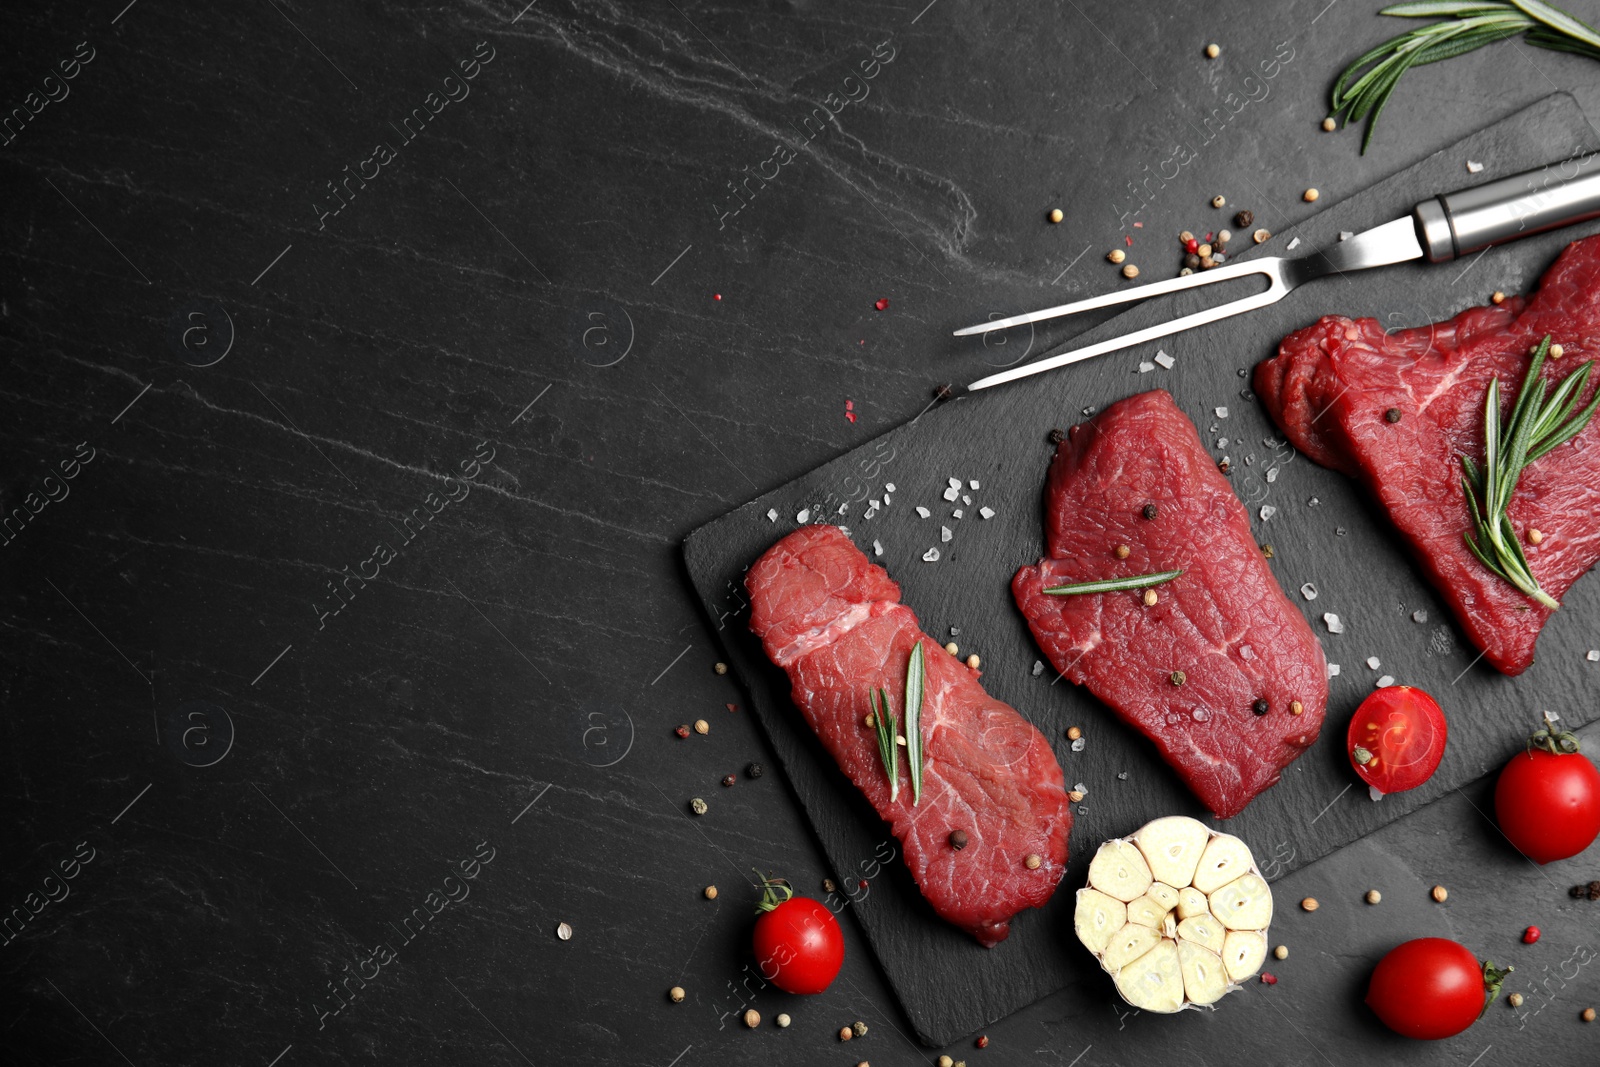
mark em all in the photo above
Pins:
pixel 845 1033
pixel 1310 904
pixel 973 661
pixel 1150 598
pixel 711 892
pixel 946 1061
pixel 1130 271
pixel 1224 237
pixel 1295 707
pixel 1309 195
pixel 1032 862
pixel 701 726
pixel 1373 896
pixel 1075 796
pixel 1056 215
pixel 752 1018
pixel 1212 51
pixel 1556 351
pixel 1535 536
pixel 1122 551
pixel 1073 733
pixel 564 931
pixel 721 668
pixel 952 648
pixel 1440 894
pixel 1116 255
pixel 1281 952
pixel 1587 1015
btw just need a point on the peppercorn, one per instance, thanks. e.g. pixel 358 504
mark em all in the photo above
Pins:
pixel 682 731
pixel 1531 934
pixel 983 1039
pixel 1212 52
pixel 1224 237
pixel 1178 677
pixel 952 648
pixel 1261 236
pixel 1076 795
pixel 1116 255
pixel 1266 551
pixel 1057 436
pixel 1130 271
pixel 1515 1000
pixel 1149 511
pixel 1185 237
pixel 1056 215
pixel 1073 733
pixel 1268 979
pixel 946 1061
pixel 676 994
pixel 720 668
pixel 1392 415
pixel 1329 124
pixel 701 726
pixel 944 392
pixel 711 892
pixel 1191 244
pixel 1244 218
pixel 1556 351
pixel 958 839
pixel 1121 551
pixel 1218 200
pixel 1281 952
pixel 828 886
pixel 1185 272
pixel 728 780
pixel 1440 894
pixel 973 661
pixel 1594 890
pixel 869 720
pixel 1150 598
pixel 752 1018
pixel 1587 1015
pixel 1498 297
pixel 753 771
pixel 1578 892
pixel 1310 904
pixel 1224 465
pixel 1032 862
pixel 1535 536
pixel 1373 896
pixel 1192 260
pixel 1207 262
pixel 782 1020
pixel 1295 707
pixel 1309 195
pixel 845 1034
pixel 1204 251
pixel 1260 706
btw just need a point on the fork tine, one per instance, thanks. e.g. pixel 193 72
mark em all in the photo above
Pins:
pixel 1277 291
pixel 1217 274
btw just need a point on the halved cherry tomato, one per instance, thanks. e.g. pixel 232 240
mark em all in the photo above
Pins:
pixel 1397 739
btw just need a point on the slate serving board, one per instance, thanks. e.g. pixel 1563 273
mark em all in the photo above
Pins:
pixel 1323 534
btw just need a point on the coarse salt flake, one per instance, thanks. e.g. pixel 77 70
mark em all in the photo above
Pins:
pixel 1473 166
pixel 1146 367
pixel 965 499
pixel 844 507
pixel 1222 413
pixel 1293 245
pixel 1422 616
pixel 877 548
pixel 973 484
pixel 804 516
pixel 1594 655
pixel 986 512
pixel 1332 622
pixel 1386 681
pixel 1165 360
pixel 1077 745
pixel 945 534
pixel 951 494
pixel 956 514
pixel 1373 663
pixel 1222 442
pixel 923 512
pixel 888 487
pixel 1038 666
pixel 1267 511
pixel 1345 235
pixel 1333 670
pixel 931 556
pixel 772 514
pixel 955 483
pixel 1272 474
pixel 1309 591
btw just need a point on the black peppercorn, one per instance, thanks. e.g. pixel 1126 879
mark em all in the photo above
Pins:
pixel 944 392
pixel 1191 261
pixel 1057 436
pixel 1149 511
pixel 1392 415
pixel 1260 706
pixel 1243 219
pixel 958 839
pixel 1578 892
pixel 753 771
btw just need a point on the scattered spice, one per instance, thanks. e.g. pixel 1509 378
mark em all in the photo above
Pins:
pixel 845 1033
pixel 1121 551
pixel 1150 598
pixel 946 1061
pixel 1267 552
pixel 1373 896
pixel 882 303
pixel 1116 255
pixel 1281 952
pixel 1587 1015
pixel 1440 894
pixel 958 839
pixel 1261 236
pixel 944 392
pixel 1535 536
pixel 1531 934
pixel 1076 795
pixel 1329 124
pixel 1178 677
pixel 1498 297
pixel 870 721
pixel 1244 219
pixel 782 1020
pixel 701 726
pixel 858 1028
pixel 1032 863
pixel 1295 707
pixel 1515 1000
pixel 1219 200
pixel 973 661
pixel 564 931
pixel 1268 979
pixel 676 994
pixel 952 648
pixel 1212 52
pixel 828 886
pixel 753 771
pixel 683 730
pixel 752 1018
pixel 1309 195
pixel 1392 415
pixel 1191 261
pixel 1073 733
pixel 728 780
pixel 983 1039
pixel 711 892
pixel 1260 707
pixel 698 806
pixel 1057 436
pixel 720 668
pixel 1056 215
pixel 1310 904
pixel 1130 271
pixel 1556 351
pixel 1149 511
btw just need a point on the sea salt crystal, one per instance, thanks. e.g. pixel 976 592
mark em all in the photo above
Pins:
pixel 1294 244
pixel 1386 681
pixel 1038 666
pixel 1594 655
pixel 923 512
pixel 1090 410
pixel 956 514
pixel 931 556
pixel 1422 616
pixel 1081 788
pixel 1122 776
pixel 1165 360
pixel 844 507
pixel 1333 670
pixel 1222 442
pixel 1272 474
pixel 1267 511
pixel 804 516
pixel 973 484
pixel 966 499
pixel 1473 167
pixel 1373 663
pixel 1313 502
pixel 945 534
pixel 1077 746
pixel 885 499
pixel 888 487
pixel 955 631
pixel 1345 235
pixel 1374 792
pixel 1222 413
pixel 1145 367
pixel 873 502
pixel 877 548
pixel 955 483
pixel 1309 591
pixel 951 494
pixel 1333 623
pixel 986 512
pixel 772 514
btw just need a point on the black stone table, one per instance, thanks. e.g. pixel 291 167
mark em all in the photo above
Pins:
pixel 364 367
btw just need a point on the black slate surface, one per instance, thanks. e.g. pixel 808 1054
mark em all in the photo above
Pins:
pixel 1327 542
pixel 513 677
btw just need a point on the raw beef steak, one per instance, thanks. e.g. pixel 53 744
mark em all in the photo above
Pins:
pixel 1221 672
pixel 834 621
pixel 1335 386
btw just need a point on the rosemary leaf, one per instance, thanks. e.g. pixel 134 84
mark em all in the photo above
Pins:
pixel 916 682
pixel 883 722
pixel 1559 21
pixel 1114 585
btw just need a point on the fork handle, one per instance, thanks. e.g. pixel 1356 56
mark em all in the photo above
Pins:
pixel 1461 223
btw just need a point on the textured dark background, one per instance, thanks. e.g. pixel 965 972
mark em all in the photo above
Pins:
pixel 537 270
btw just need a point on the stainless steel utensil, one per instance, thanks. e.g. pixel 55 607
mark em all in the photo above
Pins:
pixel 1446 227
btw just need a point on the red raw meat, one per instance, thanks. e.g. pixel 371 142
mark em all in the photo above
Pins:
pixel 1331 384
pixel 834 621
pixel 1224 622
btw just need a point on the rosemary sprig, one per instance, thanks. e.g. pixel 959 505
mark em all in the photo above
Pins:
pixel 1539 421
pixel 916 679
pixel 883 722
pixel 1364 87
pixel 1114 585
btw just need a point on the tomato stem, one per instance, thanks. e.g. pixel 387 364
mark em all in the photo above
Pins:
pixel 774 891
pixel 1550 738
pixel 1492 977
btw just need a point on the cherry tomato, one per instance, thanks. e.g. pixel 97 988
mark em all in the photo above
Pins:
pixel 1432 988
pixel 798 944
pixel 1548 798
pixel 1397 738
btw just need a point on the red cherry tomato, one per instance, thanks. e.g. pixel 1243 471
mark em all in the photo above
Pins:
pixel 798 944
pixel 1548 798
pixel 1432 988
pixel 1396 738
